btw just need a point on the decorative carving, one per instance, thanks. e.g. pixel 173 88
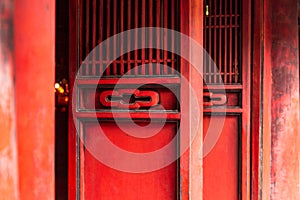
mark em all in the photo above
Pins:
pixel 129 98
pixel 214 99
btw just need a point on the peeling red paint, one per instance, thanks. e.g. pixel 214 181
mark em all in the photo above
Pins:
pixel 8 148
pixel 285 101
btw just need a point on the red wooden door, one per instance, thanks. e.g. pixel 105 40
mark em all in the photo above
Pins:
pixel 128 105
pixel 226 167
pixel 125 113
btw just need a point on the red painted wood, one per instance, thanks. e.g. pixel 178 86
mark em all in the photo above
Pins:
pixel 173 42
pixel 114 24
pixel 101 34
pixel 226 47
pixel 87 34
pixel 184 123
pixel 166 100
pixel 9 188
pixel 136 25
pixel 209 67
pixel 158 34
pixel 230 41
pixel 121 30
pixel 214 8
pixel 220 43
pixel 265 124
pixel 107 183
pixel 284 101
pixel 278 123
pixel 196 81
pixel 34 58
pixel 113 81
pixel 246 101
pixel 81 40
pixel 256 102
pixel 136 101
pixel 94 36
pixel 151 18
pixel 129 7
pixel 72 74
pixel 220 174
pixel 143 24
pixel 108 34
pixel 82 180
pixel 165 39
pixel 234 63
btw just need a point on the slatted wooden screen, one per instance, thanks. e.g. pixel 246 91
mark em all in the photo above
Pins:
pixel 222 41
pixel 101 19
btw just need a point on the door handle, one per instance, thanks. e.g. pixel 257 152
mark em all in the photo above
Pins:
pixel 215 99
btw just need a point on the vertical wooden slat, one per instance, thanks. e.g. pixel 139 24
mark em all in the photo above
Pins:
pixel 247 41
pixel 94 38
pixel 81 40
pixel 107 71
pixel 122 18
pixel 214 69
pixel 143 19
pixel 136 8
pixel 220 42
pixel 82 166
pixel 225 45
pixel 158 16
pixel 150 37
pixel 101 37
pixel 115 22
pixel 209 46
pixel 230 43
pixel 172 37
pixel 236 44
pixel 165 37
pixel 204 44
pixel 129 35
pixel 87 38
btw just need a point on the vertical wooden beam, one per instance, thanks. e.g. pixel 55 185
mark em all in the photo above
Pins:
pixel 74 23
pixel 256 103
pixel 279 104
pixel 284 101
pixel 196 80
pixel 34 57
pixel 8 141
pixel 184 102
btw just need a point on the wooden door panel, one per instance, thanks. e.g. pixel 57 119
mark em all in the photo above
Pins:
pixel 89 99
pixel 108 183
pixel 221 165
pixel 226 70
pixel 97 102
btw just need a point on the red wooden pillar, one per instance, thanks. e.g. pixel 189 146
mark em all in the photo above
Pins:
pixel 279 104
pixel 285 101
pixel 34 57
pixel 8 145
pixel 196 80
